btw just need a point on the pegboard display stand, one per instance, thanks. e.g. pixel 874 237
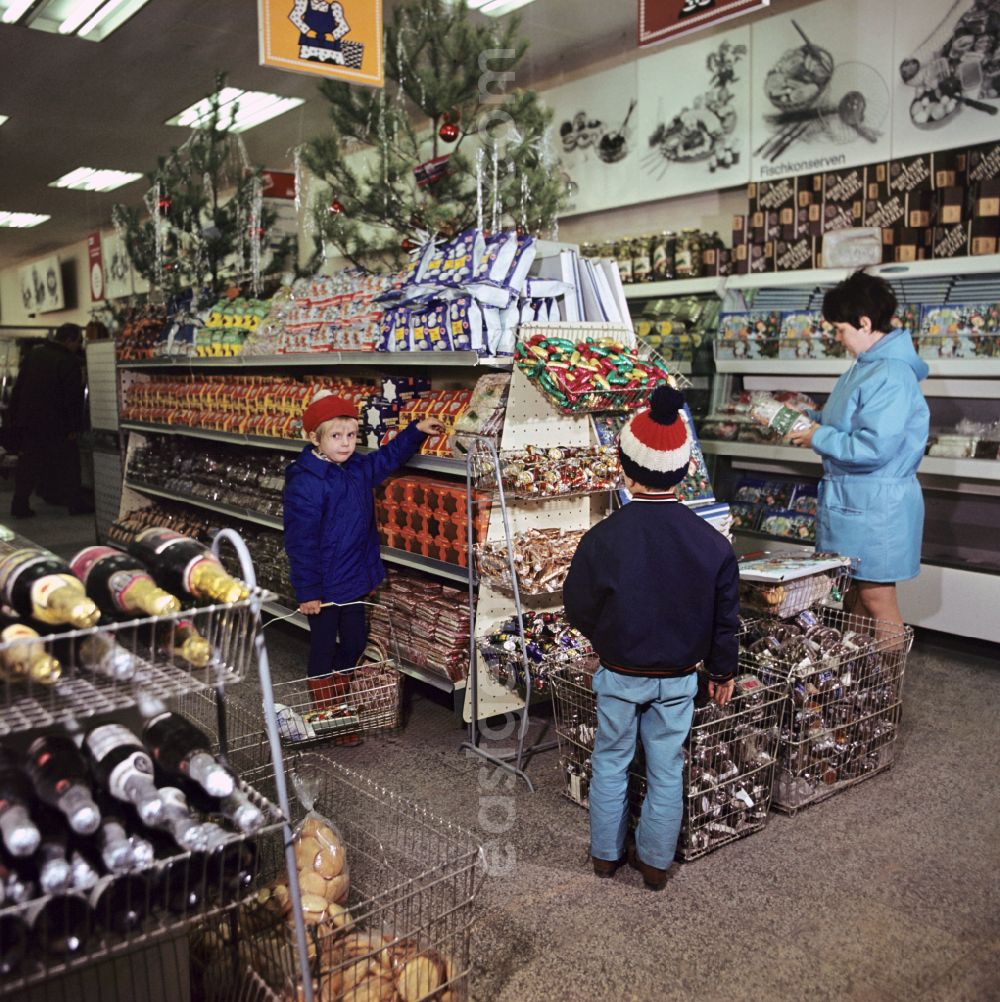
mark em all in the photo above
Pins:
pixel 530 420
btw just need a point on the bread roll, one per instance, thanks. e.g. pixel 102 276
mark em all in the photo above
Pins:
pixel 419 977
pixel 338 889
pixel 313 908
pixel 311 882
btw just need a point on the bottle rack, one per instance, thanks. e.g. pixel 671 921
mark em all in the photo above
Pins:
pixel 177 892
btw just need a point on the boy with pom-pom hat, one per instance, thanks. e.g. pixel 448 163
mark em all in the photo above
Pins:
pixel 330 535
pixel 656 591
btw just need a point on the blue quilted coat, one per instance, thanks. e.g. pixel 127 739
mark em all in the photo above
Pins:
pixel 872 437
pixel 330 535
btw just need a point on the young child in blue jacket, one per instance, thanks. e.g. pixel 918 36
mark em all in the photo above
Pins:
pixel 330 535
pixel 656 590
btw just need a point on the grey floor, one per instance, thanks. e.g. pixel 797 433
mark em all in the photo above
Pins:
pixel 890 891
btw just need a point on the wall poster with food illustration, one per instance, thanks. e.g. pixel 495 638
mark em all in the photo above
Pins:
pixel 694 116
pixel 821 97
pixel 946 86
pixel 597 139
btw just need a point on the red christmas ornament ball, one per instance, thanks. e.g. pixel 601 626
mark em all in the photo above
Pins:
pixel 336 207
pixel 164 205
pixel 448 132
pixel 407 244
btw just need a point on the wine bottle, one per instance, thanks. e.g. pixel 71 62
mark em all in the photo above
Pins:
pixel 58 772
pixel 237 808
pixel 121 764
pixel 181 640
pixel 54 871
pixel 19 833
pixel 23 655
pixel 37 584
pixel 61 924
pixel 176 819
pixel 120 584
pixel 179 880
pixel 14 933
pixel 18 878
pixel 184 566
pixel 120 902
pixel 101 654
pixel 181 750
pixel 230 866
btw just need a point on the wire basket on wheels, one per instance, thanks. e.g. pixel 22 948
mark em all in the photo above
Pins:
pixel 313 711
pixel 843 678
pixel 404 930
pixel 729 757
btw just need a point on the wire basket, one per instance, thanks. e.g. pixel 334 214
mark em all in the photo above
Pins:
pixel 538 473
pixel 310 711
pixel 413 885
pixel 799 590
pixel 104 669
pixel 843 677
pixel 729 758
pixel 541 560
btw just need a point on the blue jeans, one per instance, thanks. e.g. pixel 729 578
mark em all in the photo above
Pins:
pixel 659 711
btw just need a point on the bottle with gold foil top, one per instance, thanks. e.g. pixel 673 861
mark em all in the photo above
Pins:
pixel 37 584
pixel 181 640
pixel 184 566
pixel 120 584
pixel 23 656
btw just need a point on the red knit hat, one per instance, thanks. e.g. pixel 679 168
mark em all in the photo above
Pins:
pixel 324 406
pixel 655 445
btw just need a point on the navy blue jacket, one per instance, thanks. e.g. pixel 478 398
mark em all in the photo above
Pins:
pixel 656 590
pixel 330 534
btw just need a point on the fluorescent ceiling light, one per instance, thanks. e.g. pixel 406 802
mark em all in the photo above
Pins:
pixel 79 12
pixel 4 118
pixel 21 220
pixel 239 110
pixel 497 8
pixel 91 179
pixel 93 20
pixel 16 9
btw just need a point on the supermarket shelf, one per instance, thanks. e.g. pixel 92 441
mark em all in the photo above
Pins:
pixel 941 268
pixel 433 464
pixel 942 466
pixel 438 359
pixel 677 287
pixel 406 667
pixel 943 367
pixel 403 558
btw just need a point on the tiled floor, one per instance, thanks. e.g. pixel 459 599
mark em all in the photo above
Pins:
pixel 887 892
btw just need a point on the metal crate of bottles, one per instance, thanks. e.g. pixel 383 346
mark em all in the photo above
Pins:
pixel 60 679
pixel 729 758
pixel 413 885
pixel 843 675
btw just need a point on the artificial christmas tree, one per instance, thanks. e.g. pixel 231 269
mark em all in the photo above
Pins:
pixel 443 147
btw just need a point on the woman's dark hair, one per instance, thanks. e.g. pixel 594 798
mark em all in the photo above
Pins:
pixel 861 295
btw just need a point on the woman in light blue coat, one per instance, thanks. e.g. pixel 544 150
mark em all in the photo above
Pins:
pixel 872 434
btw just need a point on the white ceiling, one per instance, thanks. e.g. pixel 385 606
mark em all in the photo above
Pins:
pixel 76 103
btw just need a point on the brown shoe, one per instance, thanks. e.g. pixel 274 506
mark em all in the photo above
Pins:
pixel 654 878
pixel 605 868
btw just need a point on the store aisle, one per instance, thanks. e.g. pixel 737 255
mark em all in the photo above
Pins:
pixel 887 892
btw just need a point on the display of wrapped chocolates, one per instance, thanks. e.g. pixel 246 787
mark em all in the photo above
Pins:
pixel 249 480
pixel 550 643
pixel 590 375
pixel 844 677
pixel 677 326
pixel 425 620
pixel 538 473
pixel 541 560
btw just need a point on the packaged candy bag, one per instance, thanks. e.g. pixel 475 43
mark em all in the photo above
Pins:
pixel 497 257
pixel 765 410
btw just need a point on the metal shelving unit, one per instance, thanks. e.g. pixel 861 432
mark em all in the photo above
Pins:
pixel 403 558
pixel 435 359
pixel 434 464
pixel 677 287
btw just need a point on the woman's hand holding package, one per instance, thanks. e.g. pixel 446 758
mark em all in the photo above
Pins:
pixel 803 436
